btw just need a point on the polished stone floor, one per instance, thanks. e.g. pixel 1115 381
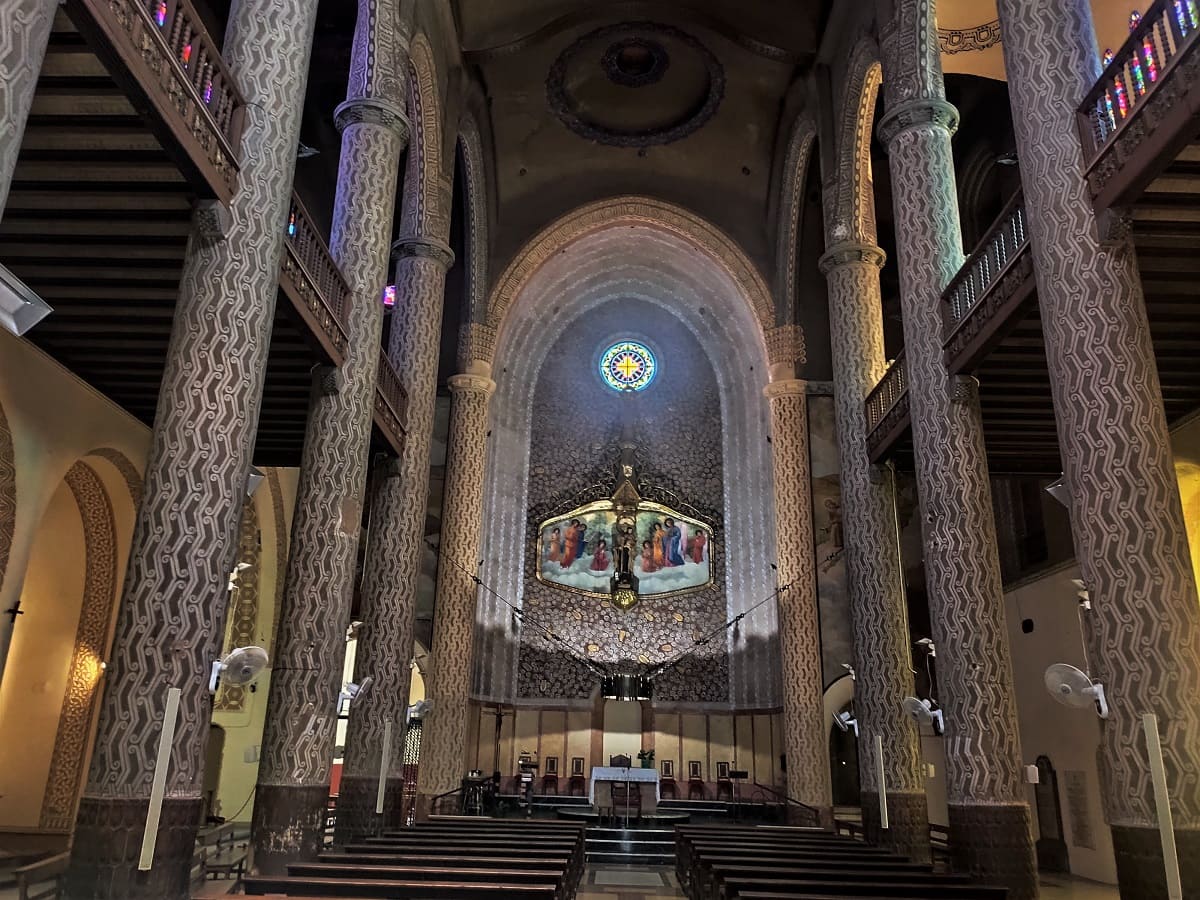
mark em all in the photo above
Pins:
pixel 602 882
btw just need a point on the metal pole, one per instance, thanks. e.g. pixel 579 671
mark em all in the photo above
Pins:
pixel 385 759
pixel 882 779
pixel 159 786
pixel 1166 827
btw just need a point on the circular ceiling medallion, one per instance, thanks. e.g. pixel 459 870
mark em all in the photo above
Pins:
pixel 680 83
pixel 635 62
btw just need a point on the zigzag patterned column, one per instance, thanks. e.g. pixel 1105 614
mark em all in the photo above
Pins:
pixel 876 581
pixel 806 733
pixel 297 746
pixel 989 818
pixel 171 620
pixel 398 509
pixel 25 27
pixel 1125 513
pixel 444 735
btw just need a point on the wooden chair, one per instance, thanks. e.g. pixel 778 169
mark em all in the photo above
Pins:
pixel 623 761
pixel 550 784
pixel 696 788
pixel 667 785
pixel 577 786
pixel 725 789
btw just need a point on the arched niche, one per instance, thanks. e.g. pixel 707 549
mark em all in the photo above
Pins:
pixel 665 257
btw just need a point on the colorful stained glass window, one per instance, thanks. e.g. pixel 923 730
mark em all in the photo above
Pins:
pixel 628 366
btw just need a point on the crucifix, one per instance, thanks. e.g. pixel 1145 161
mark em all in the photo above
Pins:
pixel 6 632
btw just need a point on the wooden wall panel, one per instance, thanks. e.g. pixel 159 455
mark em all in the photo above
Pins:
pixel 579 740
pixel 695 743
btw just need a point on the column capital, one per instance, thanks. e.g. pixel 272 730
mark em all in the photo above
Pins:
pixel 789 387
pixel 470 383
pixel 421 247
pixel 372 111
pixel 915 113
pixel 846 253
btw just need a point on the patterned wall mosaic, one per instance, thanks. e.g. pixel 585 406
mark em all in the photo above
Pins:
pixel 676 425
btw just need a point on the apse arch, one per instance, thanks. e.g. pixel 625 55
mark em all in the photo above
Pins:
pixel 633 211
pixel 649 251
pixel 470 147
pixel 425 208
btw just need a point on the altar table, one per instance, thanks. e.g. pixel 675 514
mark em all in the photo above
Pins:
pixel 622 774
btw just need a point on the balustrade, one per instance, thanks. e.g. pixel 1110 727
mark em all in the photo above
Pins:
pixel 314 282
pixel 391 403
pixel 1135 73
pixel 887 403
pixel 1006 239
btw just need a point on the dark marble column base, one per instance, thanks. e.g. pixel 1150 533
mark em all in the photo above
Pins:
pixel 908 824
pixel 108 843
pixel 356 816
pixel 1140 871
pixel 288 827
pixel 994 845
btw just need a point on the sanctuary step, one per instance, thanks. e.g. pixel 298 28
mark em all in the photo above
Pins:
pixel 631 846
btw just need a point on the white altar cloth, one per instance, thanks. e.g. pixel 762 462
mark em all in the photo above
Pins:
pixel 622 774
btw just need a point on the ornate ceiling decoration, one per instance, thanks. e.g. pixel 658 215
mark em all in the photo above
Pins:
pixel 964 40
pixel 681 84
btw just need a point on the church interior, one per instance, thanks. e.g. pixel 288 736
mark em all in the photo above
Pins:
pixel 656 448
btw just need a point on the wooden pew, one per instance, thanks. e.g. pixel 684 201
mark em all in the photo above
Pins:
pixel 555 878
pixel 389 889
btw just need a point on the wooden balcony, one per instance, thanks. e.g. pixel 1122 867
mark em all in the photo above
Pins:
pixel 171 70
pixel 991 292
pixel 391 405
pixel 887 411
pixel 1144 110
pixel 314 284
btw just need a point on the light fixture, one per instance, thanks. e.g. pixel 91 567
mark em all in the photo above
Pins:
pixel 626 686
pixel 1059 491
pixel 253 480
pixel 20 307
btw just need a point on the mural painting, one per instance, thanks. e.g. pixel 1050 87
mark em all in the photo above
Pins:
pixel 587 549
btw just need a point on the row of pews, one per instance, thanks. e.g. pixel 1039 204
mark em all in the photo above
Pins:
pixel 445 858
pixel 718 862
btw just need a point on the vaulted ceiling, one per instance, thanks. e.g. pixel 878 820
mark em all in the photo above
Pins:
pixel 681 100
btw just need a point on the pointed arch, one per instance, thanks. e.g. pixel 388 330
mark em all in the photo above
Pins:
pixel 8 494
pixel 426 207
pixel 853 216
pixel 791 206
pixel 478 225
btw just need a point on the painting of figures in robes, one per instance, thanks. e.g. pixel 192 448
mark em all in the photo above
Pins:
pixel 666 551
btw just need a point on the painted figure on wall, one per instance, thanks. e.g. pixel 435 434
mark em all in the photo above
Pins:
pixel 662 550
pixel 600 560
pixel 672 539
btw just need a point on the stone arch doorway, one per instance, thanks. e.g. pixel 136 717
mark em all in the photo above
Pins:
pixel 58 656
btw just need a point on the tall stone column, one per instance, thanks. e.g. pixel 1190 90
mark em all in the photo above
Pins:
pixel 989 818
pixel 444 735
pixel 297 746
pixel 26 25
pixel 1125 510
pixel 806 732
pixel 171 619
pixel 397 534
pixel 876 580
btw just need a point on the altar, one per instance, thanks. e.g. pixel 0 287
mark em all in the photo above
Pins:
pixel 622 774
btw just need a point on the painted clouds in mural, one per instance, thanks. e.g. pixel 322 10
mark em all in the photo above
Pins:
pixel 582 551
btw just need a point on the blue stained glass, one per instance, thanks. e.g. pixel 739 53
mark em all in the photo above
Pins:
pixel 628 366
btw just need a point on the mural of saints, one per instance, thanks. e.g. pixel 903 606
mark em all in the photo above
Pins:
pixel 666 551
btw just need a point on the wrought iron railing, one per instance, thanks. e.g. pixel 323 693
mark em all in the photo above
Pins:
pixel 892 388
pixel 309 267
pixel 1154 47
pixel 1003 243
pixel 178 64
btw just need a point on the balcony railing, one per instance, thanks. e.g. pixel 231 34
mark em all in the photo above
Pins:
pixel 391 403
pixel 887 408
pixel 314 283
pixel 982 300
pixel 175 63
pixel 1134 78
